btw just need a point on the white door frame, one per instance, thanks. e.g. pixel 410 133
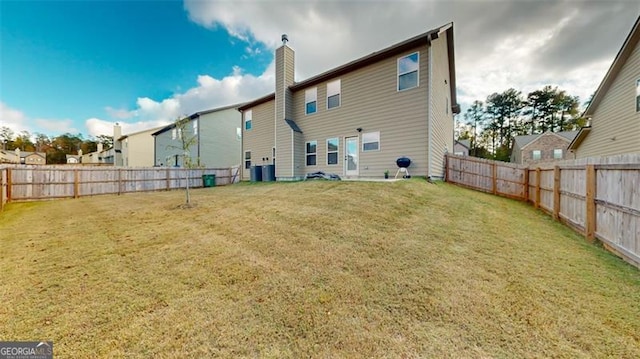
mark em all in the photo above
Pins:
pixel 351 172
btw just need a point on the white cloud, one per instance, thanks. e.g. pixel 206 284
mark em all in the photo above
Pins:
pixel 499 44
pixel 17 121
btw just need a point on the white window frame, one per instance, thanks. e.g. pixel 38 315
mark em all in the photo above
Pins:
pixel 555 153
pixel 247 159
pixel 365 141
pixel 195 127
pixel 174 133
pixel 307 154
pixel 238 133
pixel 248 120
pixel 417 71
pixel 533 155
pixel 334 88
pixel 310 95
pixel 337 140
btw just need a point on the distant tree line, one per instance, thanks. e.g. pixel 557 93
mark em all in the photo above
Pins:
pixel 502 116
pixel 55 147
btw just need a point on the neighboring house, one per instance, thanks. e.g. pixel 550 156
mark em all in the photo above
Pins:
pixel 357 119
pixel 33 158
pixel 7 156
pixel 545 147
pixel 217 140
pixel 137 148
pixel 614 110
pixel 461 147
pixel 100 156
pixel 74 159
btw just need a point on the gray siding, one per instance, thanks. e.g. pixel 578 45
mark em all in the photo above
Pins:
pixel 166 148
pixel 220 146
pixel 442 117
pixel 260 140
pixel 370 100
pixel 615 125
pixel 283 109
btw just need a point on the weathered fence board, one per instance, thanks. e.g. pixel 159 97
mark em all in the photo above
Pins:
pixel 598 197
pixel 25 183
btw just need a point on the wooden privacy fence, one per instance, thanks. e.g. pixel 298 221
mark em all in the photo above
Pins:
pixel 24 183
pixel 598 197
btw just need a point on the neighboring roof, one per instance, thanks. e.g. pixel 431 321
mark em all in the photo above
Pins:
pixel 256 102
pixel 139 132
pixel 293 125
pixel 622 56
pixel 522 141
pixel 579 138
pixel 374 57
pixel 465 143
pixel 196 115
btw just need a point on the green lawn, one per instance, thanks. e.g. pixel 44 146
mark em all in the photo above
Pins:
pixel 311 269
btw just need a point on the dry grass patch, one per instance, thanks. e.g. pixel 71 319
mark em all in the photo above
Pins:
pixel 313 269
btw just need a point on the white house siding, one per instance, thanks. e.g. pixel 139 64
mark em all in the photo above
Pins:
pixel 260 139
pixel 370 101
pixel 166 148
pixel 219 145
pixel 615 125
pixel 442 116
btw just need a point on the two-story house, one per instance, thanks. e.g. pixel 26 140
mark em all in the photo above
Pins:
pixel 216 141
pixel 614 110
pixel 357 119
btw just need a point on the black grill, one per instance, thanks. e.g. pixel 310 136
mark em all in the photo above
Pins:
pixel 403 162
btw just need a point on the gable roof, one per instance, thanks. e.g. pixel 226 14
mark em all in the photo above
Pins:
pixel 525 140
pixel 622 56
pixel 376 56
pixel 139 132
pixel 465 143
pixel 196 115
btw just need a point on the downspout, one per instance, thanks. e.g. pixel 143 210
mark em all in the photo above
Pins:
pixel 430 110
pixel 293 153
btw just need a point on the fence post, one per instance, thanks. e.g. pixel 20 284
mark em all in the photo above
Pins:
pixel 446 167
pixel 536 202
pixel 119 181
pixel 494 177
pixel 2 190
pixel 76 193
pixel 9 185
pixel 556 193
pixel 590 218
pixel 168 176
pixel 526 185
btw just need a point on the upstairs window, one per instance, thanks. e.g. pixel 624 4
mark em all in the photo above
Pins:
pixel 312 147
pixel 333 94
pixel 248 117
pixel 195 127
pixel 238 133
pixel 332 151
pixel 174 133
pixel 370 141
pixel 408 71
pixel 311 100
pixel 557 153
pixel 536 154
pixel 638 95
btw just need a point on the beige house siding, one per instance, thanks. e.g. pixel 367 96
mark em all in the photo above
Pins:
pixel 441 140
pixel 615 124
pixel 260 139
pixel 284 79
pixel 369 100
pixel 138 149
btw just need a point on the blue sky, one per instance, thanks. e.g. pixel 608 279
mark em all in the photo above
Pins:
pixel 80 66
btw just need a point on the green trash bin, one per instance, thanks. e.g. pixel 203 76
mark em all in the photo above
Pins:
pixel 208 180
